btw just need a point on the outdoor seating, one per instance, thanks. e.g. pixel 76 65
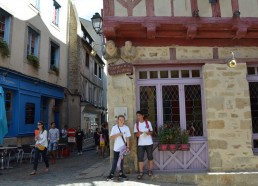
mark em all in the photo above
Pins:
pixel 12 154
pixel 27 153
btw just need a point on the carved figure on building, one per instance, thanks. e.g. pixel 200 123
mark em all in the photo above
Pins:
pixel 111 51
pixel 128 52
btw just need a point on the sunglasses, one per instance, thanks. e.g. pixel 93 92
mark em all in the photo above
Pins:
pixel 39 124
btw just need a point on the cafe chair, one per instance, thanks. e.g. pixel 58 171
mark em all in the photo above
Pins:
pixel 27 153
pixel 12 154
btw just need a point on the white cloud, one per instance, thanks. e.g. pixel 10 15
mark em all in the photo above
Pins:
pixel 87 8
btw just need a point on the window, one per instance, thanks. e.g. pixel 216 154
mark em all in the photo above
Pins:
pixel 33 42
pixel 100 74
pixel 56 9
pixel 54 55
pixel 9 107
pixel 4 25
pixel 36 3
pixel 252 77
pixel 175 99
pixel 87 60
pixel 29 113
pixel 95 68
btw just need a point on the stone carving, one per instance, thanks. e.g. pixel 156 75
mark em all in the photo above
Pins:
pixel 111 51
pixel 128 52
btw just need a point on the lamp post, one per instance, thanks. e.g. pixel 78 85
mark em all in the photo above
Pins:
pixel 97 21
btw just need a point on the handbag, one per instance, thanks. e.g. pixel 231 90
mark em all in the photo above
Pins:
pixel 41 147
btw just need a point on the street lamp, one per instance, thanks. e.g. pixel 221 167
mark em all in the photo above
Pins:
pixel 96 21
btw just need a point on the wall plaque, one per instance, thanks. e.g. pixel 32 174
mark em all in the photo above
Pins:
pixel 125 68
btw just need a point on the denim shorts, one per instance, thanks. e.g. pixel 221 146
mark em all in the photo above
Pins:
pixel 52 146
pixel 142 149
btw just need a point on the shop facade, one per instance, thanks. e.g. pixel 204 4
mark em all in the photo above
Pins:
pixel 29 100
pixel 181 77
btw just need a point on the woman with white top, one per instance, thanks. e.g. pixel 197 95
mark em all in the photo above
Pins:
pixel 143 131
pixel 40 147
pixel 120 133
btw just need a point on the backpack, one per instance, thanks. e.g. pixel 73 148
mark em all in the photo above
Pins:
pixel 137 125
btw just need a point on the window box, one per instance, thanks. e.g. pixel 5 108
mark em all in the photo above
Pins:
pixel 4 49
pixel 34 61
pixel 55 69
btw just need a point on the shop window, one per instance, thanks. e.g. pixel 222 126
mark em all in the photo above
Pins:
pixel 148 104
pixel 153 74
pixel 33 42
pixel 9 107
pixel 174 73
pixel 174 102
pixel 143 75
pixel 54 56
pixel 35 3
pixel 251 70
pixel 185 73
pixel 87 60
pixel 4 25
pixel 195 73
pixel 252 77
pixel 163 74
pixel 56 11
pixel 29 113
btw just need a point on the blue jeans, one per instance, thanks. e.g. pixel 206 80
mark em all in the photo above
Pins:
pixel 36 158
pixel 114 163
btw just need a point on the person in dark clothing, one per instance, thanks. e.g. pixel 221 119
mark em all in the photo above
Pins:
pixel 96 139
pixel 79 139
pixel 106 134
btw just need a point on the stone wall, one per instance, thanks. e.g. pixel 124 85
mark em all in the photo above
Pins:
pixel 226 93
pixel 121 93
pixel 228 118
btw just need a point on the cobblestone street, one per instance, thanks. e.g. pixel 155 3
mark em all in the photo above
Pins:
pixel 64 172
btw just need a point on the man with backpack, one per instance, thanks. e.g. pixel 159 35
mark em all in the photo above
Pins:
pixel 143 131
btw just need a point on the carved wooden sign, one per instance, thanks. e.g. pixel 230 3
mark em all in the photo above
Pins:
pixel 125 68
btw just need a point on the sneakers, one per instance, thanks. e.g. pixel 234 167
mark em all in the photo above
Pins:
pixel 110 177
pixel 122 176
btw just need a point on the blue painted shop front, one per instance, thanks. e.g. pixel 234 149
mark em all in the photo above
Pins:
pixel 27 101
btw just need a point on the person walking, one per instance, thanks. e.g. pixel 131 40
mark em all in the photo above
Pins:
pixel 40 147
pixel 96 139
pixel 143 131
pixel 79 139
pixel 53 138
pixel 64 134
pixel 120 133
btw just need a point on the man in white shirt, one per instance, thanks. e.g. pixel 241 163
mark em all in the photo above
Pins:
pixel 53 138
pixel 120 133
pixel 143 131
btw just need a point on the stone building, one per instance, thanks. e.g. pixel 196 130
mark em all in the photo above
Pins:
pixel 86 76
pixel 34 74
pixel 181 77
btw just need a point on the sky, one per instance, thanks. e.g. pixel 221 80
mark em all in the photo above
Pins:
pixel 87 8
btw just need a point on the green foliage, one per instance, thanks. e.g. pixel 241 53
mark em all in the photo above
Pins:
pixel 4 49
pixel 184 137
pixel 55 69
pixel 34 60
pixel 169 135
